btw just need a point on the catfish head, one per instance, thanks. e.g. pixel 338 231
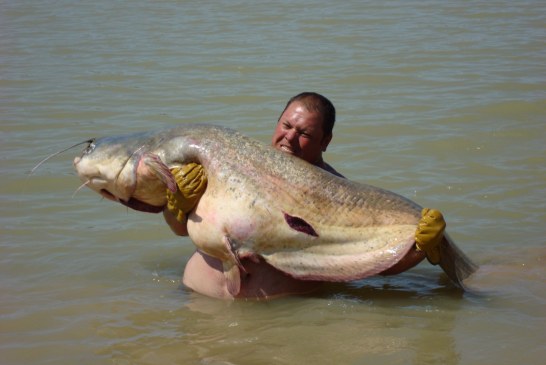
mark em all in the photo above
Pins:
pixel 126 169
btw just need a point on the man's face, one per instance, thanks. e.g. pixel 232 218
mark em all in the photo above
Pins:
pixel 299 132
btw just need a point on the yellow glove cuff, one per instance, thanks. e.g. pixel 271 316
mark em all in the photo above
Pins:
pixel 192 182
pixel 429 234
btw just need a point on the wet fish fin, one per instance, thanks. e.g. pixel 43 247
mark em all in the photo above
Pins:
pixel 341 261
pixel 454 262
pixel 159 169
pixel 233 268
pixel 233 277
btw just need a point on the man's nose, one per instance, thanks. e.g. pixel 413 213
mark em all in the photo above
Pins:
pixel 290 135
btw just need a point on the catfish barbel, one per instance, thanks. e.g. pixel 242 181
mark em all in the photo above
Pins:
pixel 261 202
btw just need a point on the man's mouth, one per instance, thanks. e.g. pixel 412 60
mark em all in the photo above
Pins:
pixel 287 149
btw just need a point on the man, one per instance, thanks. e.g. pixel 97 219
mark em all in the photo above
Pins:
pixel 304 130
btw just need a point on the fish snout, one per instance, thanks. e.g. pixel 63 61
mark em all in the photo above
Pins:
pixel 100 179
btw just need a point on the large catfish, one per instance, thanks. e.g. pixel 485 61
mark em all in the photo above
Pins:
pixel 260 202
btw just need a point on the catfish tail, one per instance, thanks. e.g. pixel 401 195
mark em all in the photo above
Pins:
pixel 454 262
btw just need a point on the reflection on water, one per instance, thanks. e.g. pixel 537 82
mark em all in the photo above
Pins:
pixel 443 103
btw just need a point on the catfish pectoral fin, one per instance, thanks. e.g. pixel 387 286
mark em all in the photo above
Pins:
pixel 455 263
pixel 160 170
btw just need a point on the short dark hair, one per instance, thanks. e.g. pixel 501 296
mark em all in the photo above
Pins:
pixel 317 103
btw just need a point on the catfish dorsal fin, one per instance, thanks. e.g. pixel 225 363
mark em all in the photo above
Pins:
pixel 154 163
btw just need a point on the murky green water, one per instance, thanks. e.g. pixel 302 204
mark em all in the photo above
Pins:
pixel 444 102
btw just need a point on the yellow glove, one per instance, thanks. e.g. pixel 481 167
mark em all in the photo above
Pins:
pixel 191 181
pixel 430 231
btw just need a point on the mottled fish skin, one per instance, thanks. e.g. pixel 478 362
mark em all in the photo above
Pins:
pixel 299 218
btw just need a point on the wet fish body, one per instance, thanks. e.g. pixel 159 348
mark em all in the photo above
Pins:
pixel 261 202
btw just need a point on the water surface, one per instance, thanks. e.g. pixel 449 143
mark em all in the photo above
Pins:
pixel 443 102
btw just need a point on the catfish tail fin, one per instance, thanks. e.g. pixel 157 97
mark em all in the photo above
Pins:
pixel 454 262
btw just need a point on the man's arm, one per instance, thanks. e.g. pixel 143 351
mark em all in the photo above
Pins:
pixel 179 228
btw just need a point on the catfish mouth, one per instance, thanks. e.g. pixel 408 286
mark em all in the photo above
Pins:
pixel 133 203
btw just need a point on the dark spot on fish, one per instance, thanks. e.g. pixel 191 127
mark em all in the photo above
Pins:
pixel 300 225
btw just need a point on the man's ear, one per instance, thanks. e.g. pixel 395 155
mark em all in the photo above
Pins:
pixel 326 141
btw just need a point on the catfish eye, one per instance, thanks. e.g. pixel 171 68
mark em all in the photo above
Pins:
pixel 90 148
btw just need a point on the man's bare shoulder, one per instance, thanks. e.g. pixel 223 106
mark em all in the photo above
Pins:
pixel 330 169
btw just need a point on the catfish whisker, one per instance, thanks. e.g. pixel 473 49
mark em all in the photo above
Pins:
pixel 89 141
pixel 80 187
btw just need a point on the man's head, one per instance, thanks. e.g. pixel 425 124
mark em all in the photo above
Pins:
pixel 305 126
